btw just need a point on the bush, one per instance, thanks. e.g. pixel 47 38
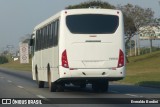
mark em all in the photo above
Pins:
pixel 3 60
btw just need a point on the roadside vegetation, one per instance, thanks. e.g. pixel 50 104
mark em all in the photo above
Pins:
pixel 3 59
pixel 144 70
pixel 15 65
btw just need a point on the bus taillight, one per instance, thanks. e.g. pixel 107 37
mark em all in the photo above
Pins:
pixel 64 59
pixel 121 59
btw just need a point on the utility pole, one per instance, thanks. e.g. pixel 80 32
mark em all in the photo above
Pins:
pixel 130 48
pixel 139 45
pixel 135 46
pixel 151 45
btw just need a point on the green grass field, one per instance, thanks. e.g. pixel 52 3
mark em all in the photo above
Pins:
pixel 144 70
pixel 141 70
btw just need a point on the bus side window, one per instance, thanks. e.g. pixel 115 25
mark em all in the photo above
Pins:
pixel 37 39
pixel 46 36
pixel 56 33
pixel 53 34
pixel 40 39
pixel 49 34
pixel 33 47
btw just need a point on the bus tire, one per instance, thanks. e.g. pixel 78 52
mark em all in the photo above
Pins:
pixel 95 87
pixel 56 87
pixel 104 86
pixel 40 83
pixel 52 85
pixel 100 86
pixel 60 88
pixel 83 85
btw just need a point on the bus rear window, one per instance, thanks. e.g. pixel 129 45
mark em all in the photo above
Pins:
pixel 92 23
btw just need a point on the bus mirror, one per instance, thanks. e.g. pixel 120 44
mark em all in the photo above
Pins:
pixel 31 42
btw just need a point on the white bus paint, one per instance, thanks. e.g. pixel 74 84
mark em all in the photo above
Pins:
pixel 79 46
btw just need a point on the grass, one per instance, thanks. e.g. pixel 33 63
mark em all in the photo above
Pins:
pixel 141 70
pixel 15 65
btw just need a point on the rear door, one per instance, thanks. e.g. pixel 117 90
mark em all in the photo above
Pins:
pixel 92 40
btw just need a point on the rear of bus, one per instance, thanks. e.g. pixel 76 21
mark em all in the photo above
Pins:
pixel 91 45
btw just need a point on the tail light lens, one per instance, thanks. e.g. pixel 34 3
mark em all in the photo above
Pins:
pixel 121 59
pixel 64 59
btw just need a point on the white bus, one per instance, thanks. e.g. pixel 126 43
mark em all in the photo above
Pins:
pixel 79 47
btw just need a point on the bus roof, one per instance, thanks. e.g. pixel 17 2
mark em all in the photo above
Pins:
pixel 77 11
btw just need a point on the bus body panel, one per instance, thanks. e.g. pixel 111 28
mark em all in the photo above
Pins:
pixel 92 54
pixel 110 73
pixel 89 55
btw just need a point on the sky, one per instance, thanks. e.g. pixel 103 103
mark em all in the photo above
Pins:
pixel 19 17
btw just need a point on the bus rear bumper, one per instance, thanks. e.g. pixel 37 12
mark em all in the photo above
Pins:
pixel 109 73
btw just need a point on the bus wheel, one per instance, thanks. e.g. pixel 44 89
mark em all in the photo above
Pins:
pixel 83 85
pixel 104 86
pixel 52 87
pixel 60 88
pixel 56 87
pixel 100 86
pixel 40 83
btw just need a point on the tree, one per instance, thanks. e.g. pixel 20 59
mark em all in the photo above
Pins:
pixel 137 16
pixel 130 29
pixel 3 59
pixel 93 3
